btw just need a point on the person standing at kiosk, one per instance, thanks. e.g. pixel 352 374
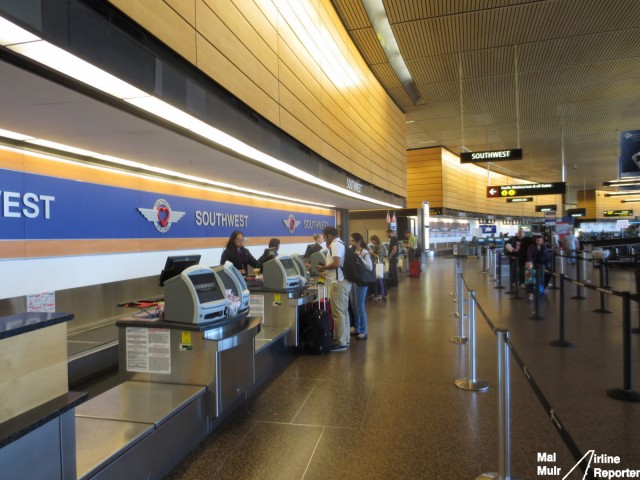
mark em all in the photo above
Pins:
pixel 339 288
pixel 236 253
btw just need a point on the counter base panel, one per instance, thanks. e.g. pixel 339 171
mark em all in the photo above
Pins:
pixel 123 446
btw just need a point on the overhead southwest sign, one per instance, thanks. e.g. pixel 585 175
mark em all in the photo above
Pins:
pixel 491 156
pixel 526 189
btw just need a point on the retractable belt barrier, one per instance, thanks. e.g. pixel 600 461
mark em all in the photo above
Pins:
pixel 504 345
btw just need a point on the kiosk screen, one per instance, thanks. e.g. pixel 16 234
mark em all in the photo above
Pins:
pixel 206 287
pixel 289 267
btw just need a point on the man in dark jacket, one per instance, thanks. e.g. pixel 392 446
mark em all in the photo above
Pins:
pixel 538 254
pixel 517 246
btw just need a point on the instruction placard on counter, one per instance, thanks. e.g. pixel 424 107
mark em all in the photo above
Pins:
pixel 148 350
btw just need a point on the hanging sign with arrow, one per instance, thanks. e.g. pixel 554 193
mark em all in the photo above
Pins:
pixel 526 189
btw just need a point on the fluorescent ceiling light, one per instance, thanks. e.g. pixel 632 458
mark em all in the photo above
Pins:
pixel 14 135
pixel 11 33
pixel 622 194
pixel 634 200
pixel 380 23
pixel 70 65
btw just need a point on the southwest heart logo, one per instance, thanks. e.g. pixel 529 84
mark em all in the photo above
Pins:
pixel 291 223
pixel 161 215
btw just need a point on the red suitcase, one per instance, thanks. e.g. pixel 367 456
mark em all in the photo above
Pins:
pixel 414 268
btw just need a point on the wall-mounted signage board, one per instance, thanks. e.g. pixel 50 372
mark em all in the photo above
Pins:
pixel 491 156
pixel 546 208
pixel 526 189
pixel 618 213
pixel 519 199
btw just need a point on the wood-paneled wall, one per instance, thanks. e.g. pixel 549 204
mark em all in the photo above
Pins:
pixel 294 63
pixel 437 176
pixel 596 204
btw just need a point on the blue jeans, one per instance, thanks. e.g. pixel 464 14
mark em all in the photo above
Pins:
pixel 358 309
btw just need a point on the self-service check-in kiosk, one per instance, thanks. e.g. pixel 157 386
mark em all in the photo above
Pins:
pixel 318 258
pixel 197 295
pixel 300 265
pixel 234 281
pixel 281 273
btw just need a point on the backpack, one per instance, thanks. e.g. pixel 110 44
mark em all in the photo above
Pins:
pixel 355 270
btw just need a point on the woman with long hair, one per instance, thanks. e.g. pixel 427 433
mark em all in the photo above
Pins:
pixel 360 321
pixel 236 253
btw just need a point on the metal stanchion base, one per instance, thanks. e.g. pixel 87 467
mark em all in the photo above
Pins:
pixel 601 310
pixel 552 287
pixel 500 287
pixel 578 297
pixel 562 343
pixel 474 385
pixel 626 395
pixel 459 340
pixel 536 317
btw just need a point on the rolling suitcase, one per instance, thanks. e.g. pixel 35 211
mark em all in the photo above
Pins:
pixel 414 268
pixel 315 329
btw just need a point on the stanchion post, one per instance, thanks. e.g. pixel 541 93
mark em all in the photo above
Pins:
pixel 499 270
pixel 561 342
pixel 553 270
pixel 460 338
pixel 603 307
pixel 471 383
pixel 627 393
pixel 578 295
pixel 504 399
pixel 585 270
pixel 536 295
pixel 515 286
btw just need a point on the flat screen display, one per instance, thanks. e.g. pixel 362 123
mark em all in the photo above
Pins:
pixel 206 287
pixel 176 264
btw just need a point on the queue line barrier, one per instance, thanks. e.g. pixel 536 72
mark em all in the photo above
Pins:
pixel 504 347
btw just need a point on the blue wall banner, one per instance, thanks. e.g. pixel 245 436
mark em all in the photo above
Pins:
pixel 629 161
pixel 39 207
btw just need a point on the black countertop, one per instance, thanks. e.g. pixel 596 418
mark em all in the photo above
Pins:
pixel 20 323
pixel 26 422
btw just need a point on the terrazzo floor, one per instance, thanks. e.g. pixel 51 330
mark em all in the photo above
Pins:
pixel 388 408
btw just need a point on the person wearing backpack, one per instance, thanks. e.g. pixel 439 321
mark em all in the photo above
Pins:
pixel 339 288
pixel 359 248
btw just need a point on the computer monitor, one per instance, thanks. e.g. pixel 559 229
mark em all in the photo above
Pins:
pixel 176 264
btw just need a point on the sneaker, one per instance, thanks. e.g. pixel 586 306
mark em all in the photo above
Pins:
pixel 361 336
pixel 354 333
pixel 379 297
pixel 339 348
pixel 530 299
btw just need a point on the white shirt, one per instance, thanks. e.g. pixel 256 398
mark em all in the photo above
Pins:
pixel 336 249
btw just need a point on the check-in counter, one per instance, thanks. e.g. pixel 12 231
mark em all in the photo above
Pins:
pixel 281 309
pixel 36 408
pixel 218 356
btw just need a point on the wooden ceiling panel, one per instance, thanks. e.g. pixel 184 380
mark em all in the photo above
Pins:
pixel 573 65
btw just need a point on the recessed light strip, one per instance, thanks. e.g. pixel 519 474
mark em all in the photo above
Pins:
pixel 14 38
